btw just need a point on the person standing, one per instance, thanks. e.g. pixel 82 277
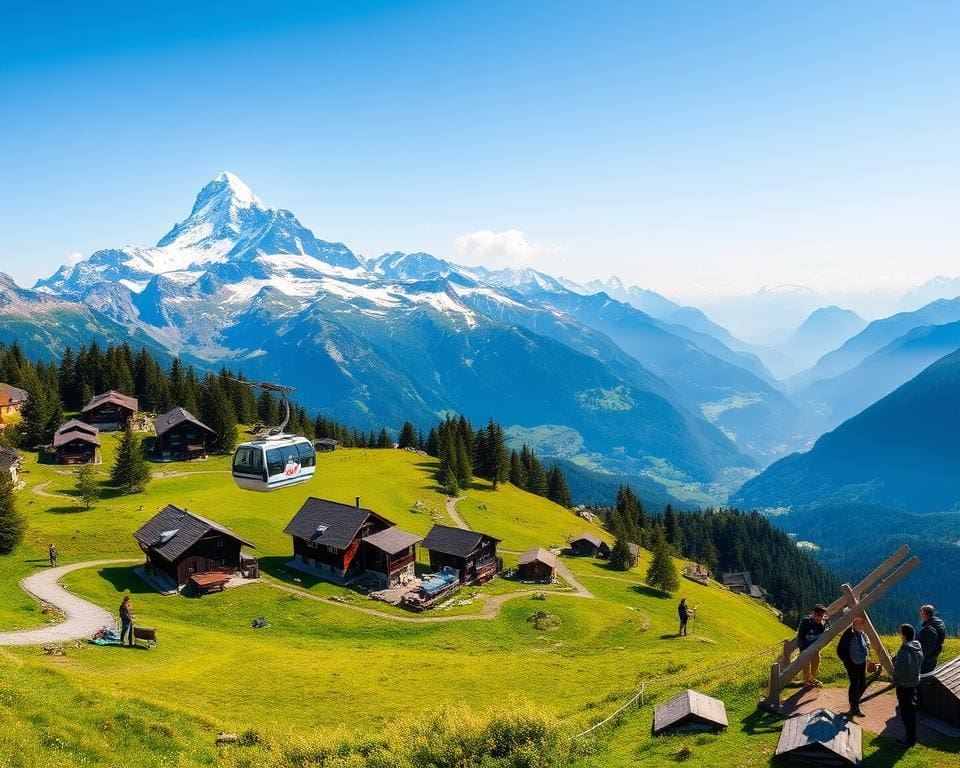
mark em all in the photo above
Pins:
pixel 931 636
pixel 126 619
pixel 906 676
pixel 808 632
pixel 684 614
pixel 54 554
pixel 854 650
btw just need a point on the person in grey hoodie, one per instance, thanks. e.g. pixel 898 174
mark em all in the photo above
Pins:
pixel 906 676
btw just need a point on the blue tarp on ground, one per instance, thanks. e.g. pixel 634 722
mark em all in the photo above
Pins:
pixel 437 582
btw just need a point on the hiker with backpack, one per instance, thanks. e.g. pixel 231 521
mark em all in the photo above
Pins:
pixel 809 630
pixel 854 651
pixel 931 636
pixel 684 613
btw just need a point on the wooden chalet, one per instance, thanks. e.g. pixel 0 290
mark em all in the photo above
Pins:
pixel 10 461
pixel 181 435
pixel 472 554
pixel 12 400
pixel 390 555
pixel 77 443
pixel 111 408
pixel 589 545
pixel 689 712
pixel 697 572
pixel 821 738
pixel 741 583
pixel 179 544
pixel 325 444
pixel 537 565
pixel 941 693
pixel 327 537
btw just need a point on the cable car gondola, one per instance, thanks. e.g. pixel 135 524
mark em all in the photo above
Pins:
pixel 275 459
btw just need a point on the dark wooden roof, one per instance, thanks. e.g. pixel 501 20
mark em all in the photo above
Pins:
pixel 587 536
pixel 737 579
pixel 117 398
pixel 76 430
pixel 821 738
pixel 172 531
pixel 174 418
pixel 330 522
pixel 393 540
pixel 9 458
pixel 326 441
pixel 454 541
pixel 689 708
pixel 13 395
pixel 538 555
pixel 948 675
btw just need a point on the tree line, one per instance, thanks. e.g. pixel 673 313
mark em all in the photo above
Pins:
pixel 724 540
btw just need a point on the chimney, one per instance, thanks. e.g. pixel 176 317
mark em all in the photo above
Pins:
pixel 358 502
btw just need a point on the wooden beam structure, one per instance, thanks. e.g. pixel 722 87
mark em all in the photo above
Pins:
pixel 853 602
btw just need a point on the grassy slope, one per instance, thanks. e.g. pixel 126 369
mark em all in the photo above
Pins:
pixel 321 665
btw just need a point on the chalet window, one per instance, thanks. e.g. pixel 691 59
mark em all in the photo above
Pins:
pixel 332 550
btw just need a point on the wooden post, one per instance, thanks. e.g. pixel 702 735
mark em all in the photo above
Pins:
pixel 773 690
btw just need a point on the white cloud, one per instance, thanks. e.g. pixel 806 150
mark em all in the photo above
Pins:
pixel 509 248
pixel 73 258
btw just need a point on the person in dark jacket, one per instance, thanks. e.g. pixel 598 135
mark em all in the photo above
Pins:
pixel 854 651
pixel 126 619
pixel 931 636
pixel 906 676
pixel 54 554
pixel 809 630
pixel 684 614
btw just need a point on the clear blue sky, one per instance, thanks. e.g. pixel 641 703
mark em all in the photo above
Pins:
pixel 687 146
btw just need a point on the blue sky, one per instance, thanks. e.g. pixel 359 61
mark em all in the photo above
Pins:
pixel 697 148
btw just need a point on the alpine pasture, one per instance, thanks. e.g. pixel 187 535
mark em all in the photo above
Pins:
pixel 338 679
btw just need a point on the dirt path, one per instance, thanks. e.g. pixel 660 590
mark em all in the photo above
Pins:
pixel 454 515
pixel 879 705
pixel 490 610
pixel 40 490
pixel 83 618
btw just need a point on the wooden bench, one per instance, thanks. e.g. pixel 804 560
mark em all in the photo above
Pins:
pixel 205 583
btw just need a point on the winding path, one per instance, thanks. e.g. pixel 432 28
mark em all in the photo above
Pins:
pixel 41 490
pixel 83 618
pixel 454 515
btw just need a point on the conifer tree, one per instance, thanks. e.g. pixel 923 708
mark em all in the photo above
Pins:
pixel 557 490
pixel 88 490
pixel 383 439
pixel 408 436
pixel 130 472
pixel 13 525
pixel 674 533
pixel 448 469
pixel 620 556
pixel 662 573
pixel 518 474
pixel 433 443
pixel 216 411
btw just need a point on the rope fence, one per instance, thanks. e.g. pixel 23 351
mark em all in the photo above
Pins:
pixel 674 679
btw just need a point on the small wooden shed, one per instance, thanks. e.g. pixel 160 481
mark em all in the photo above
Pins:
pixel 181 435
pixel 471 553
pixel 390 555
pixel 589 545
pixel 941 693
pixel 820 738
pixel 537 565
pixel 325 444
pixel 77 443
pixel 689 712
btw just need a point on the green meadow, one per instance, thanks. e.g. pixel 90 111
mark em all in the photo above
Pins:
pixel 328 683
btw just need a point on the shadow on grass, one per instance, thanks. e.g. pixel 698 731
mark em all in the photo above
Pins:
pixel 886 753
pixel 123 579
pixel 646 591
pixel 758 722
pixel 67 510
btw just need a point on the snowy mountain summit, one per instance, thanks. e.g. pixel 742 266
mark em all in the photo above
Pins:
pixel 228 224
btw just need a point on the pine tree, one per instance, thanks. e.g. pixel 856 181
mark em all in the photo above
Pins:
pixel 674 533
pixel 408 436
pixel 216 411
pixel 620 556
pixel 557 490
pixel 13 525
pixel 447 475
pixel 88 490
pixel 662 573
pixel 433 443
pixel 383 439
pixel 518 474
pixel 498 460
pixel 130 472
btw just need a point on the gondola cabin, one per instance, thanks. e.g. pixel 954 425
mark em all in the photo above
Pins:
pixel 273 462
pixel 178 544
pixel 77 443
pixel 327 538
pixel 110 410
pixel 181 435
pixel 472 554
